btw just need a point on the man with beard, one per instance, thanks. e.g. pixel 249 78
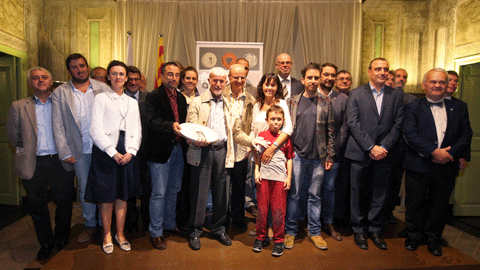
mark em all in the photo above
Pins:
pixel 374 117
pixel 314 151
pixel 339 106
pixel 71 118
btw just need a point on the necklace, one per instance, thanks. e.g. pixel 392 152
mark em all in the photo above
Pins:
pixel 123 116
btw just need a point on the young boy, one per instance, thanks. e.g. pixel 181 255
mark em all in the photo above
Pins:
pixel 273 181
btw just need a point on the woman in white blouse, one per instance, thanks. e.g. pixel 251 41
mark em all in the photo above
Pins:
pixel 116 133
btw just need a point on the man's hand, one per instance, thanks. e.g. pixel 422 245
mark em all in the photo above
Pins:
pixel 70 160
pixel 441 156
pixel 126 159
pixel 176 129
pixel 260 142
pixel 268 154
pixel 200 143
pixel 463 163
pixel 378 152
pixel 328 165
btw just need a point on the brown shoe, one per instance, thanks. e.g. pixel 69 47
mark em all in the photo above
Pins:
pixel 86 235
pixel 158 242
pixel 332 232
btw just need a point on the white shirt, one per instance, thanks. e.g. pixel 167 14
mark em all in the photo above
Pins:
pixel 440 117
pixel 83 108
pixel 112 113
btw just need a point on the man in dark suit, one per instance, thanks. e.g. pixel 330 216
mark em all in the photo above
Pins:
pixel 133 90
pixel 166 109
pixel 29 129
pixel 374 117
pixel 343 82
pixel 291 86
pixel 437 132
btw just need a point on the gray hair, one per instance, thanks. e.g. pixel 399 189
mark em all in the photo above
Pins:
pixel 435 69
pixel 29 73
pixel 218 71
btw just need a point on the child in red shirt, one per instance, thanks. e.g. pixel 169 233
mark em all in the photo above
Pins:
pixel 273 181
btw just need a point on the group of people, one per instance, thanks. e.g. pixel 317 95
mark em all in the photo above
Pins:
pixel 314 152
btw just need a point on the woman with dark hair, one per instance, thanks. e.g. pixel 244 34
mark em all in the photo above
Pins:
pixel 116 133
pixel 188 81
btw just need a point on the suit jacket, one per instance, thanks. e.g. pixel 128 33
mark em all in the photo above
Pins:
pixel 297 87
pixel 339 106
pixel 464 107
pixel 22 128
pixel 421 136
pixel 198 113
pixel 160 119
pixel 325 125
pixel 65 122
pixel 367 127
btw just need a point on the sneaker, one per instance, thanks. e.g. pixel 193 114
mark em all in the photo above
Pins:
pixel 278 249
pixel 289 241
pixel 319 242
pixel 258 245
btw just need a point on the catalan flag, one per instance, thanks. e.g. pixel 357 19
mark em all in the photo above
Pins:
pixel 160 62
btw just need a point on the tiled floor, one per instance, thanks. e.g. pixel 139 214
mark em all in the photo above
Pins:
pixel 18 244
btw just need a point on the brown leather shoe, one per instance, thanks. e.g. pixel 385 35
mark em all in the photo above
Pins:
pixel 86 235
pixel 158 242
pixel 332 232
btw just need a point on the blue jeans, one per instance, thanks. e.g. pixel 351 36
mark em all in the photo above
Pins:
pixel 166 183
pixel 328 193
pixel 310 170
pixel 82 167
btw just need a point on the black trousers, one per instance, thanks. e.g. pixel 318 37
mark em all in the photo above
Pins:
pixel 49 173
pixel 394 189
pixel 183 197
pixel 238 180
pixel 342 193
pixel 427 201
pixel 210 170
pixel 369 190
pixel 146 183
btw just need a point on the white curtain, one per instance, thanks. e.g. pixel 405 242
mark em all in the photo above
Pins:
pixel 146 20
pixel 330 32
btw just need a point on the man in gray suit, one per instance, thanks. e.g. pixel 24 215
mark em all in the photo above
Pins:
pixel 133 90
pixel 29 129
pixel 374 117
pixel 71 115
pixel 291 86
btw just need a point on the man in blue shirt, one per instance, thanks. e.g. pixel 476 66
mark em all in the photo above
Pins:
pixel 29 129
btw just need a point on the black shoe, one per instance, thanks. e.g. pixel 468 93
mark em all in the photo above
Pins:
pixel 411 244
pixel 194 243
pixel 434 247
pixel 277 249
pixel 224 239
pixel 44 252
pixel 361 240
pixel 241 225
pixel 378 240
pixel 61 244
pixel 258 245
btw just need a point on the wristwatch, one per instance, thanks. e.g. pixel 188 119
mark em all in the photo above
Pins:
pixel 276 144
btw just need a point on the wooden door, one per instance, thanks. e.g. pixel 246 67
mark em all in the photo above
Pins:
pixel 9 183
pixel 466 198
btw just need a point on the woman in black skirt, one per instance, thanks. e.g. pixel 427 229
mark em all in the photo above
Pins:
pixel 116 132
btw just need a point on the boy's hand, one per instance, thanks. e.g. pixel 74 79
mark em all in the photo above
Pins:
pixel 287 184
pixel 258 177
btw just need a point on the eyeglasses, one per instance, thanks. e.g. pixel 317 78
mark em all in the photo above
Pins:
pixel 238 78
pixel 284 63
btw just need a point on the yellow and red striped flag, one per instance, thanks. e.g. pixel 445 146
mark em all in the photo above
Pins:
pixel 160 62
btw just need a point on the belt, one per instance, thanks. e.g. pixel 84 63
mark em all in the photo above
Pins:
pixel 217 146
pixel 48 156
